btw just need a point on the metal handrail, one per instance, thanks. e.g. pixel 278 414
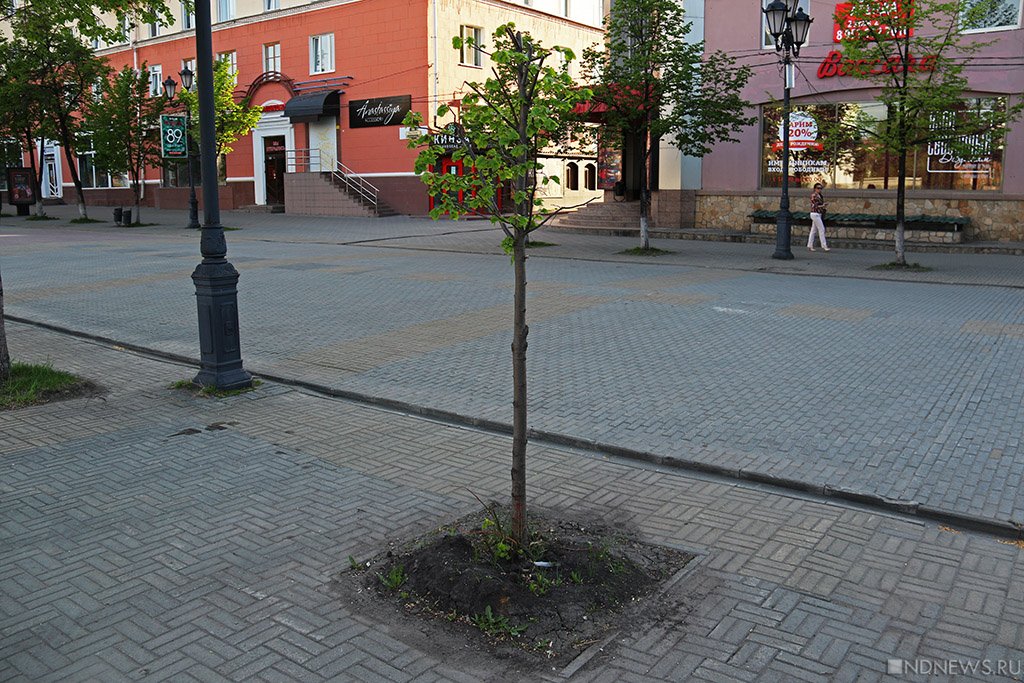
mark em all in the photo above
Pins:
pixel 356 184
pixel 302 160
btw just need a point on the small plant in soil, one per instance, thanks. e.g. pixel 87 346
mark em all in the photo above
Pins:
pixel 211 391
pixel 646 251
pixel 905 267
pixel 561 591
pixel 496 625
pixel 79 221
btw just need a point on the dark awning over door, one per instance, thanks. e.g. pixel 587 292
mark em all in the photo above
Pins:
pixel 313 106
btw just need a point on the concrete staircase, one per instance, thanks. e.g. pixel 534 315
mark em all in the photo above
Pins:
pixel 608 218
pixel 319 194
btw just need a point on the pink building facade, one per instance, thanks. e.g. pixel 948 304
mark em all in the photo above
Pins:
pixel 737 179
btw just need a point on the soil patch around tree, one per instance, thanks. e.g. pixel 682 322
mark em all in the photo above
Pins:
pixel 578 583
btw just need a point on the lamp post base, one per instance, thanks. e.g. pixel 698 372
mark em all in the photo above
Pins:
pixel 782 233
pixel 216 284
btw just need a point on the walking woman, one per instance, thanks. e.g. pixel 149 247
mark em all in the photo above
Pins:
pixel 817 224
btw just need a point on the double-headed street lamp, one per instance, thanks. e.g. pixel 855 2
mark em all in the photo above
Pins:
pixel 788 24
pixel 170 87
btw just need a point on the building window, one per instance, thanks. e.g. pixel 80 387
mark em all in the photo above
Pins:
pixel 156 80
pixel 225 10
pixel 590 177
pixel 272 57
pixel 989 15
pixel 847 158
pixel 10 155
pixel 471 55
pixel 154 30
pixel 321 53
pixel 269 5
pixel 189 64
pixel 231 58
pixel 188 19
pixel 91 176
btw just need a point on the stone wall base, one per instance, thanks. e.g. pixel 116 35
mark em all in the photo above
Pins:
pixel 993 219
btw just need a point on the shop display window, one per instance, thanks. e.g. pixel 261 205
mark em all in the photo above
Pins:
pixel 832 143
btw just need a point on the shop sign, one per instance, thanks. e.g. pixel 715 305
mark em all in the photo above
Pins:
pixel 379 111
pixel 942 158
pixel 20 188
pixel 172 137
pixel 451 138
pixel 846 26
pixel 803 133
pixel 835 65
pixel 798 167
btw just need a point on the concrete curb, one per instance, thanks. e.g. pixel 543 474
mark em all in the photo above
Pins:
pixel 1004 529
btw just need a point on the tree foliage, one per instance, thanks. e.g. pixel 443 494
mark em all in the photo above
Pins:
pixel 124 122
pixel 653 82
pixel 917 56
pixel 502 125
pixel 234 118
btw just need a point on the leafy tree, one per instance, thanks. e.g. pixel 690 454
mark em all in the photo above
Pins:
pixel 918 57
pixel 5 355
pixel 103 19
pixel 124 122
pixel 234 118
pixel 21 107
pixel 524 107
pixel 655 83
pixel 61 72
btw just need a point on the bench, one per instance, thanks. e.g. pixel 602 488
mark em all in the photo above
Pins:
pixel 876 221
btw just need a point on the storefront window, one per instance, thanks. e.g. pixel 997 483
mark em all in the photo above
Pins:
pixel 10 156
pixel 833 143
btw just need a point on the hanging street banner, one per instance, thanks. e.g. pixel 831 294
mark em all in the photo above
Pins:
pixel 173 142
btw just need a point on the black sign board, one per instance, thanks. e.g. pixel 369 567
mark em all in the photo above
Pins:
pixel 20 188
pixel 451 138
pixel 379 111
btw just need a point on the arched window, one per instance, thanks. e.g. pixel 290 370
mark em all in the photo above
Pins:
pixel 590 177
pixel 572 176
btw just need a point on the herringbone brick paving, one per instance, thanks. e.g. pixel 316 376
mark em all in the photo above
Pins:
pixel 716 354
pixel 152 535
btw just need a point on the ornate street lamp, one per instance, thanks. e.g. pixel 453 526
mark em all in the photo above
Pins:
pixel 216 280
pixel 170 88
pixel 193 205
pixel 788 24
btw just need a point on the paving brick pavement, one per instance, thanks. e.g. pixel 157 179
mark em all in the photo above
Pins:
pixel 153 535
pixel 715 355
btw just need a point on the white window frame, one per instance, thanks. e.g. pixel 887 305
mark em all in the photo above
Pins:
pixel 231 57
pixel 154 29
pixel 191 64
pixel 321 53
pixel 272 57
pixel 471 56
pixel 768 43
pixel 1001 27
pixel 188 19
pixel 271 5
pixel 156 80
pixel 225 10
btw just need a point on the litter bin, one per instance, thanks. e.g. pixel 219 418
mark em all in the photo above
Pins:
pixel 118 214
pixel 126 217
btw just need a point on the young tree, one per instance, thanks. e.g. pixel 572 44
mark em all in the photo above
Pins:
pixel 5 356
pixel 124 123
pixel 524 107
pixel 915 53
pixel 654 83
pixel 234 119
pixel 62 71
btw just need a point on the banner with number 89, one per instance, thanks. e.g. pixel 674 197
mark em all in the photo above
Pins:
pixel 173 141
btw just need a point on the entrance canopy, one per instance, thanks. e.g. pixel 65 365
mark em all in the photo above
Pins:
pixel 314 106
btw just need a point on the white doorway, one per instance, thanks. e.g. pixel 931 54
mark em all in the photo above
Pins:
pixel 272 125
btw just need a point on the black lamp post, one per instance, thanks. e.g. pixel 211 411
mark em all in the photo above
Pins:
pixel 193 205
pixel 216 280
pixel 788 25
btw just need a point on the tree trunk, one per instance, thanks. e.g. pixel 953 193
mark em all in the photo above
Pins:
pixel 66 141
pixel 36 173
pixel 645 242
pixel 519 334
pixel 901 198
pixel 5 356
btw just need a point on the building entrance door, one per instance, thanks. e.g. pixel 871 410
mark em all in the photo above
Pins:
pixel 273 167
pixel 51 176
